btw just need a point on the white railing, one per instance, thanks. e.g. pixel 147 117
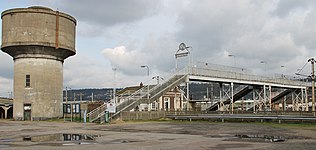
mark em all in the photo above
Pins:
pixel 244 77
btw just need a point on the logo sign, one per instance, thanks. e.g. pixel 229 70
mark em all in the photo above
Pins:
pixel 182 51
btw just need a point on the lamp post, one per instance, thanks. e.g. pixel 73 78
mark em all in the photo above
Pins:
pixel 283 70
pixel 157 78
pixel 145 66
pixel 265 65
pixel 231 55
pixel 114 85
pixel 66 106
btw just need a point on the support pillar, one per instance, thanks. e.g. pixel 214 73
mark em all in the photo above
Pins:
pixel 264 97
pixel 306 99
pixel 270 97
pixel 188 95
pixel 232 97
pixel 293 101
pixel 284 103
pixel 6 111
pixel 254 100
pixel 220 97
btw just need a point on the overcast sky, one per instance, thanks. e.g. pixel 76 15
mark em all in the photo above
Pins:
pixel 126 34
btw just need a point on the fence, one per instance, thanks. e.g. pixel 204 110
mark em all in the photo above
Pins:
pixel 142 115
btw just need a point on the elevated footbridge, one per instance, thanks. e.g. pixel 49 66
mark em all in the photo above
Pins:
pixel 207 74
pixel 261 87
pixel 229 81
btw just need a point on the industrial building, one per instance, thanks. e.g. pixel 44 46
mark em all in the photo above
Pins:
pixel 39 39
pixel 6 108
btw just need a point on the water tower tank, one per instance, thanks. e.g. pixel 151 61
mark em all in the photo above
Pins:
pixel 39 40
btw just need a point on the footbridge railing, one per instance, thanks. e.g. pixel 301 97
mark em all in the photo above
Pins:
pixel 245 77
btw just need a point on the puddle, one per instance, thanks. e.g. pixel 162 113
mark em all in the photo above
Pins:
pixel 4 146
pixel 6 140
pixel 59 137
pixel 268 138
pixel 120 141
pixel 166 139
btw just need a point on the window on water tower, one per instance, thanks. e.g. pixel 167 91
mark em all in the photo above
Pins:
pixel 28 80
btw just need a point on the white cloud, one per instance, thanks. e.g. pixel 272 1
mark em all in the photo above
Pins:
pixel 280 32
pixel 129 61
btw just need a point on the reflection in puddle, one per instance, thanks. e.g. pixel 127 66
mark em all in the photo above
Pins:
pixel 4 146
pixel 6 140
pixel 59 137
pixel 120 141
pixel 270 138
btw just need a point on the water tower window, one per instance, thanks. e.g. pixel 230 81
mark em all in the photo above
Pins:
pixel 28 81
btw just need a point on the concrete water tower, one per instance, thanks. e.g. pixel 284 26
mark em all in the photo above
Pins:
pixel 39 40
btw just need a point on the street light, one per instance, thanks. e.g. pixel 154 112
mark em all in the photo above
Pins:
pixel 231 55
pixel 157 78
pixel 114 87
pixel 284 71
pixel 145 66
pixel 66 106
pixel 265 65
pixel 67 93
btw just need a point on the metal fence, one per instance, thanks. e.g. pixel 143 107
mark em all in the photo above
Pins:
pixel 142 115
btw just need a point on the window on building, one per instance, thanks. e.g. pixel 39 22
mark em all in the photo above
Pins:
pixel 28 80
pixel 68 108
pixel 153 105
pixel 76 108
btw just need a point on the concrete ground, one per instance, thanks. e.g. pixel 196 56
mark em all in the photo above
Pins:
pixel 156 135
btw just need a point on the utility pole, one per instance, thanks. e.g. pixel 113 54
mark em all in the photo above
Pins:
pixel 312 61
pixel 145 66
pixel 114 86
pixel 92 96
pixel 80 95
pixel 66 104
pixel 74 96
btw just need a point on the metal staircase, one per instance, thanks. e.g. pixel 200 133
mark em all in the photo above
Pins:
pixel 239 94
pixel 154 93
pixel 97 113
pixel 277 97
pixel 140 96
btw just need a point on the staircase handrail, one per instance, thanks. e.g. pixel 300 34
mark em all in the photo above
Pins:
pixel 96 109
pixel 156 87
pixel 243 76
pixel 170 75
pixel 134 94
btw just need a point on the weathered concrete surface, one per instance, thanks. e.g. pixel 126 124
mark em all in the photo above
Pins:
pixel 45 92
pixel 38 39
pixel 38 26
pixel 167 135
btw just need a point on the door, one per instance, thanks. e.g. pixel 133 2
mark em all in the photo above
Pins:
pixel 27 111
pixel 167 103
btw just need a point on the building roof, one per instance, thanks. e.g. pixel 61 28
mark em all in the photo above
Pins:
pixel 7 101
pixel 128 90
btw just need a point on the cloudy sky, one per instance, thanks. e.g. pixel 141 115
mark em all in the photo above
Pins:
pixel 126 34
